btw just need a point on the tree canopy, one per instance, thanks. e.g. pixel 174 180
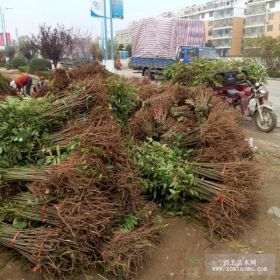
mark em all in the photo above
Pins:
pixel 54 43
pixel 265 47
pixel 27 47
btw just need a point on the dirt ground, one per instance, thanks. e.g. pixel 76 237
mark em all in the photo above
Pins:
pixel 13 74
pixel 184 244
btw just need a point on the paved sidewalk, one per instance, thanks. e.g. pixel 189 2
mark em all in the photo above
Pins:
pixel 274 96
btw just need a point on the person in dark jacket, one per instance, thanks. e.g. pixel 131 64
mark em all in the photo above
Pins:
pixel 22 82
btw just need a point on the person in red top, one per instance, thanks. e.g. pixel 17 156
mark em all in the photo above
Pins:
pixel 22 82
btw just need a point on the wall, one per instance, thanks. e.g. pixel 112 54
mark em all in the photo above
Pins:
pixel 237 36
pixel 276 25
pixel 207 28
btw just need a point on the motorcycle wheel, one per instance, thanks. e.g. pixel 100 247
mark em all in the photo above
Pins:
pixel 270 120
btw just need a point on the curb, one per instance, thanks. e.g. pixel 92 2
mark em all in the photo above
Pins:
pixel 273 79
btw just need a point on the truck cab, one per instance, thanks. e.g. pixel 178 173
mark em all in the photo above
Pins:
pixel 187 54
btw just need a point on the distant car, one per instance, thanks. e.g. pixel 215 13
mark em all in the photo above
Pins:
pixel 66 63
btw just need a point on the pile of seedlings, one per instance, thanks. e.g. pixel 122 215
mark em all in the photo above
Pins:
pixel 193 157
pixel 84 169
pixel 69 193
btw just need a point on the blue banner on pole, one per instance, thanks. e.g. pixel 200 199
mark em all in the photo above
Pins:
pixel 117 9
pixel 97 8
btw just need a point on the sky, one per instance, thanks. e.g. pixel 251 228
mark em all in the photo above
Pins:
pixel 26 15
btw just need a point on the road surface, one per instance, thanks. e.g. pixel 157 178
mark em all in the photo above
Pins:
pixel 274 95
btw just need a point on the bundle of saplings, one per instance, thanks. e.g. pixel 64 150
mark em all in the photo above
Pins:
pixel 68 187
pixel 202 72
pixel 193 157
pixel 84 170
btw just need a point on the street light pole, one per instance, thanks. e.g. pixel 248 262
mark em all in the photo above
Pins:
pixel 105 30
pixel 112 32
pixel 3 28
pixel 4 25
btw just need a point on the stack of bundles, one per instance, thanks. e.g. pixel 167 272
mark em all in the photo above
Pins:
pixel 60 80
pixel 84 208
pixel 186 128
pixel 89 71
pixel 192 117
pixel 70 196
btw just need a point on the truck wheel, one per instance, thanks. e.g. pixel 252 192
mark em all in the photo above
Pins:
pixel 147 73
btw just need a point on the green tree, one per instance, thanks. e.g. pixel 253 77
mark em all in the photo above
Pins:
pixel 10 51
pixel 96 52
pixel 120 47
pixel 265 47
pixel 2 57
pixel 27 47
pixel 129 49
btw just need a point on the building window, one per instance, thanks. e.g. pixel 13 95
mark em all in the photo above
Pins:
pixel 269 28
pixel 210 33
pixel 270 16
pixel 202 16
pixel 271 4
pixel 210 23
pixel 211 14
pixel 279 26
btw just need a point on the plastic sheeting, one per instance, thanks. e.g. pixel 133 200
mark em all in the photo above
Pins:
pixel 160 37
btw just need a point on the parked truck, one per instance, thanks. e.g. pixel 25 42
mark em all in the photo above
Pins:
pixel 159 42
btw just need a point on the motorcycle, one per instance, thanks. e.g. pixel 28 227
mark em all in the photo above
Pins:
pixel 252 99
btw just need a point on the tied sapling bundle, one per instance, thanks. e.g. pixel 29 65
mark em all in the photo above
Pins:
pixel 51 249
pixel 27 125
pixel 178 184
pixel 23 174
pixel 22 131
pixel 25 207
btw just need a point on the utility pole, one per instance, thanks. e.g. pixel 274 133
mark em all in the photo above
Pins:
pixel 105 31
pixel 3 27
pixel 102 39
pixel 112 32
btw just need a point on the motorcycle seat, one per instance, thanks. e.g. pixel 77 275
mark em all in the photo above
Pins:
pixel 233 92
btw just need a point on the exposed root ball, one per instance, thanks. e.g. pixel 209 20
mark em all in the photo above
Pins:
pixel 89 71
pixel 60 80
pixel 125 253
pixel 222 138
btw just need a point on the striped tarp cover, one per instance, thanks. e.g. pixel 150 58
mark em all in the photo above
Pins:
pixel 160 37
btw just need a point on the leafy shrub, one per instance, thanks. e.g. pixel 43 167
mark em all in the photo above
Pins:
pixel 46 74
pixel 17 62
pixel 5 85
pixel 121 97
pixel 23 69
pixel 274 74
pixel 2 58
pixel 39 64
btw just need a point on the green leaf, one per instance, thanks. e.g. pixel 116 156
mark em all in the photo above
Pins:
pixel 19 223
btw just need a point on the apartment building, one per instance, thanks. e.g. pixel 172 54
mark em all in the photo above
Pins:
pixel 262 17
pixel 224 23
pixel 124 36
pixel 227 22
